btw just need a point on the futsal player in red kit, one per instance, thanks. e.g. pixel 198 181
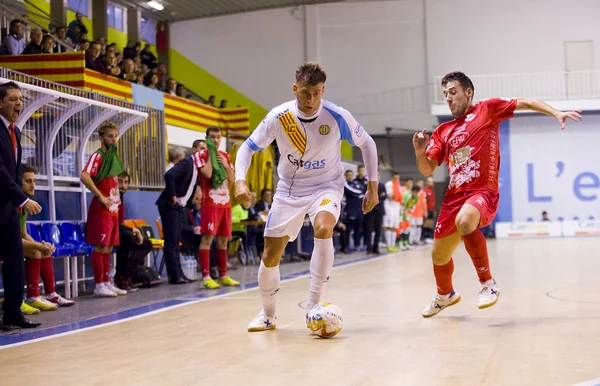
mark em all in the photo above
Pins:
pixel 470 146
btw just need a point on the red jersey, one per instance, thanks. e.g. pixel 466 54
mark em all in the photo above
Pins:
pixel 109 187
pixel 470 145
pixel 212 198
pixel 430 196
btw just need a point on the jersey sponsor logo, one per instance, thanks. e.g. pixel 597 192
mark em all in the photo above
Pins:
pixel 292 131
pixel 324 129
pixel 325 202
pixel 308 165
pixel 470 117
pixel 358 130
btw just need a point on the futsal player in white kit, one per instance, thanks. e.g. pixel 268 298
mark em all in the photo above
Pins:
pixel 309 132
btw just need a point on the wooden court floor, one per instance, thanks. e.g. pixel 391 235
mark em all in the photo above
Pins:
pixel 545 330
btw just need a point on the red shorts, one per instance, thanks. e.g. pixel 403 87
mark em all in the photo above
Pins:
pixel 486 201
pixel 215 221
pixel 101 228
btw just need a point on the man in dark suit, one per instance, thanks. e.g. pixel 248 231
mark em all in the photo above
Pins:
pixel 12 201
pixel 180 184
pixel 373 221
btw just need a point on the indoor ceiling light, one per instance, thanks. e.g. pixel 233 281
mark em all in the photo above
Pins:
pixel 156 5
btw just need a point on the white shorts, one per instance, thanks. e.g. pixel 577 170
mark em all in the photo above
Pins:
pixel 286 216
pixel 417 221
pixel 391 219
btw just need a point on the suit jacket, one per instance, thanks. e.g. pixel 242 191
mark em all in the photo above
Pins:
pixel 11 192
pixel 177 181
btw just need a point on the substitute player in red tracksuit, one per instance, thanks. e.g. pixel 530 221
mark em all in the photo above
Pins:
pixel 470 146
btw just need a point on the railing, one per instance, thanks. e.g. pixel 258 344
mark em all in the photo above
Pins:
pixel 546 86
pixel 142 148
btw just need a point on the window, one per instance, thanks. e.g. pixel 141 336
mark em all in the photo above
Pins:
pixel 116 17
pixel 81 6
pixel 148 30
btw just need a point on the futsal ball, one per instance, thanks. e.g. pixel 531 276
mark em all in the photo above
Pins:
pixel 325 320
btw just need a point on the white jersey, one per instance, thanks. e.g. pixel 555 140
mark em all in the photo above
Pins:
pixel 310 146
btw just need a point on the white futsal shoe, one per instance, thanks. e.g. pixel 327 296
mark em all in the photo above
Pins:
pixel 488 295
pixel 262 322
pixel 440 302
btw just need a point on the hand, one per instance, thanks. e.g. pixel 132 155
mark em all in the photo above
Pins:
pixel 223 161
pixel 174 200
pixel 573 114
pixel 32 207
pixel 342 226
pixel 105 201
pixel 138 236
pixel 371 198
pixel 420 141
pixel 197 230
pixel 242 193
pixel 46 249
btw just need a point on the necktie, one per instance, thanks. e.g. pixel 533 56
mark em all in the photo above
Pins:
pixel 13 137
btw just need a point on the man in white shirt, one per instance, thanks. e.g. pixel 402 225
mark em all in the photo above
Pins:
pixel 308 132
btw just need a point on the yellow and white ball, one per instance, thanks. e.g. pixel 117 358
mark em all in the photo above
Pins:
pixel 325 320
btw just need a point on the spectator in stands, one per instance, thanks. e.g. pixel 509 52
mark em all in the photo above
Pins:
pixel 133 247
pixel 38 258
pixel 215 181
pixel 76 28
pixel 47 44
pixel 110 64
pixel 61 35
pixel 100 176
pixel 223 104
pixel 211 101
pixel 91 57
pixel 545 216
pixel 130 52
pixel 175 155
pixel 128 72
pixel 171 87
pixel 180 90
pixel 35 45
pixel 162 77
pixel 14 42
pixel 148 57
pixel 199 145
pixel 151 80
pixel 180 183
pixel 13 201
pixel 83 45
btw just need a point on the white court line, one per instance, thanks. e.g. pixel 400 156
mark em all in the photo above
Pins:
pixel 593 382
pixel 174 307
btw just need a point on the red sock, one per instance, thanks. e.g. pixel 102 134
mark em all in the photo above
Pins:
pixel 47 272
pixel 477 248
pixel 222 261
pixel 32 273
pixel 204 256
pixel 98 266
pixel 443 277
pixel 106 273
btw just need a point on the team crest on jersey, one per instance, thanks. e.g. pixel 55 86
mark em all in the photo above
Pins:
pixel 470 117
pixel 325 202
pixel 324 130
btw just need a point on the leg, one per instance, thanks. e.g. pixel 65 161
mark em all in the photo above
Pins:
pixel 358 229
pixel 321 261
pixel 377 221
pixel 12 269
pixel 34 265
pixel 126 245
pixel 172 233
pixel 467 222
pixel 369 226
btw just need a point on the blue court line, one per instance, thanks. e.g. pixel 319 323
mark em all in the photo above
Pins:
pixel 8 339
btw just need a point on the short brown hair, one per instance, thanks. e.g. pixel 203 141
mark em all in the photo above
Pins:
pixel 311 73
pixel 459 77
pixel 212 128
pixel 106 126
pixel 26 168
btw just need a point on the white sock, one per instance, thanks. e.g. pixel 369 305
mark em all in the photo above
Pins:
pixel 268 284
pixel 52 295
pixel 107 284
pixel 206 277
pixel 412 235
pixel 419 232
pixel 389 238
pixel 321 263
pixel 99 285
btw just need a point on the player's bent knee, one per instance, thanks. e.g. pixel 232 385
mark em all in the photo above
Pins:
pixel 270 260
pixel 440 257
pixel 31 253
pixel 323 231
pixel 465 225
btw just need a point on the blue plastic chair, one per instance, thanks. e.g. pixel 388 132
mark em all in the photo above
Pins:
pixel 51 234
pixel 34 231
pixel 71 235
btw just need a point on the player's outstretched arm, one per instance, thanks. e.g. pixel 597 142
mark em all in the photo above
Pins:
pixel 545 108
pixel 425 164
